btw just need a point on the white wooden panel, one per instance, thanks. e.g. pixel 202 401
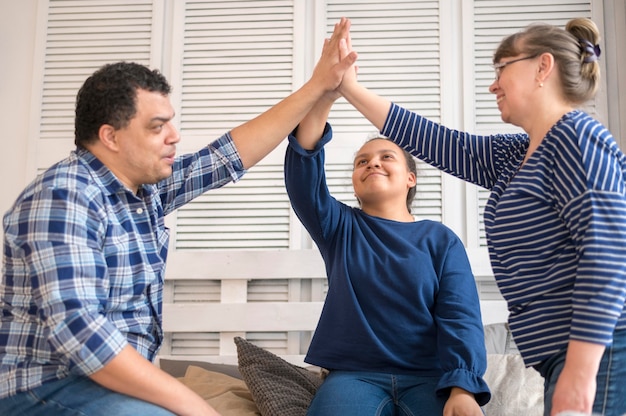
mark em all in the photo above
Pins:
pixel 234 264
pixel 237 61
pixel 271 316
pixel 195 326
pixel 257 302
pixel 494 312
pixel 227 56
pixel 253 213
pixel 234 60
pixel 399 58
pixel 245 317
pixel 81 36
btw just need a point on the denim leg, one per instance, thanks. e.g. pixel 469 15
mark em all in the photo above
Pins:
pixel 610 397
pixel 349 393
pixel 76 396
pixel 611 381
pixel 550 371
pixel 417 396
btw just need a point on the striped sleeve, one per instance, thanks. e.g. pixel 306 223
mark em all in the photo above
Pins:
pixel 591 183
pixel 478 159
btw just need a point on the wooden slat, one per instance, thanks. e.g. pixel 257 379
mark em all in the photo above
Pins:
pixel 242 317
pixel 270 316
pixel 237 264
pixel 273 264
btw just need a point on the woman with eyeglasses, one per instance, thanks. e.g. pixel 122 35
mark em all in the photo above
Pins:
pixel 556 216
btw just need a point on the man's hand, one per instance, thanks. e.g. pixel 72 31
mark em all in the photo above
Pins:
pixel 131 374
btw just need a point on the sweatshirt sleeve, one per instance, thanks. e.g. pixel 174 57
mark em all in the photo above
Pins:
pixel 305 180
pixel 461 341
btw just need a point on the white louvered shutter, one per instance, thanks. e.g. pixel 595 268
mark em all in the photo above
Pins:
pixel 78 37
pixel 399 54
pixel 492 22
pixel 232 60
pixel 235 60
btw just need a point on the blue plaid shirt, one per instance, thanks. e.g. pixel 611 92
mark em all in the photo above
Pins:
pixel 84 263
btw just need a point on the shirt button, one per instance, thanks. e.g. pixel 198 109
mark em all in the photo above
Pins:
pixel 139 210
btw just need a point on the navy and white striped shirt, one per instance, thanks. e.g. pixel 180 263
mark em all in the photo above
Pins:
pixel 556 227
pixel 84 263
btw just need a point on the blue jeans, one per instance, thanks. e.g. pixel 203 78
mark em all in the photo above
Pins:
pixel 350 393
pixel 610 397
pixel 74 396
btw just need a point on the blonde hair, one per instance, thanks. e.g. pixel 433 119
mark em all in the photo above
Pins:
pixel 575 50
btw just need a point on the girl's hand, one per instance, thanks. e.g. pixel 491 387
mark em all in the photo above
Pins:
pixel 335 59
pixel 461 403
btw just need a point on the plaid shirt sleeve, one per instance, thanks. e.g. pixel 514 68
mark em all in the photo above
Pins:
pixel 193 174
pixel 56 275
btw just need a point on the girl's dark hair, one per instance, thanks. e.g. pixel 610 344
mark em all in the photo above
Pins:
pixel 109 95
pixel 411 164
pixel 573 50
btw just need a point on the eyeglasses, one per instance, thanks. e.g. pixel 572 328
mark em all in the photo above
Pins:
pixel 500 65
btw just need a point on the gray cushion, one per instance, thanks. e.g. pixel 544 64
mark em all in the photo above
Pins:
pixel 278 387
pixel 498 339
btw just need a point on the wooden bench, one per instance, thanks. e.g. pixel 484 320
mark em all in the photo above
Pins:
pixel 230 309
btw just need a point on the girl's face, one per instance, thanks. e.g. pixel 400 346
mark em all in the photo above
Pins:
pixel 381 173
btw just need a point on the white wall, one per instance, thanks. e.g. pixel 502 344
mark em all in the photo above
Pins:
pixel 17 42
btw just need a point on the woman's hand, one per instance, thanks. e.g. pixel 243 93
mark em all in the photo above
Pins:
pixel 350 76
pixel 575 388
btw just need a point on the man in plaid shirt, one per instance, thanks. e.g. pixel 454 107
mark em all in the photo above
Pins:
pixel 85 244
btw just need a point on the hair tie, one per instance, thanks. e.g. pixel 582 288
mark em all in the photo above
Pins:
pixel 592 52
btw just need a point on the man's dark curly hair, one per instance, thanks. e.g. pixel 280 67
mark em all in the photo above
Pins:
pixel 109 95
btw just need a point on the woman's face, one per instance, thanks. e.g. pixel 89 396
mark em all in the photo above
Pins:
pixel 381 172
pixel 516 78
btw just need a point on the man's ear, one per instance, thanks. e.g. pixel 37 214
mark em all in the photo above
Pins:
pixel 107 136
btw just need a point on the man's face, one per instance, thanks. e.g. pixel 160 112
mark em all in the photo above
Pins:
pixel 147 145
